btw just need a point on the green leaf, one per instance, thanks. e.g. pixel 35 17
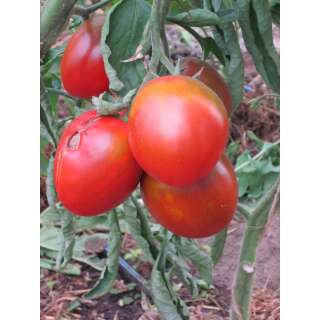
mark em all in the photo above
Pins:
pixel 217 245
pixel 70 269
pixel 216 4
pixel 209 45
pixel 256 24
pixel 196 18
pixel 51 192
pixel 68 236
pixel 182 270
pixel 190 249
pixel 121 35
pixel 169 305
pixel 50 245
pixel 235 66
pixel 135 228
pixel 110 272
pixel 275 11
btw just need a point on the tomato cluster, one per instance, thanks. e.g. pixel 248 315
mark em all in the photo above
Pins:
pixel 173 144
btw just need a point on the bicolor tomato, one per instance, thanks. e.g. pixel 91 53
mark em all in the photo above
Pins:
pixel 197 211
pixel 178 129
pixel 210 77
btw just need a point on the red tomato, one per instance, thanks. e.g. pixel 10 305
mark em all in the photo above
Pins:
pixel 178 129
pixel 210 77
pixel 94 169
pixel 82 66
pixel 197 211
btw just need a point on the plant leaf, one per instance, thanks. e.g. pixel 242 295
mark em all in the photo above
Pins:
pixel 110 272
pixel 217 245
pixel 256 24
pixel 190 249
pixel 135 228
pixel 196 18
pixel 169 305
pixel 126 21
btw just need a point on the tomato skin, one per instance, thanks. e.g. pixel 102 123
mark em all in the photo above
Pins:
pixel 82 66
pixel 197 211
pixel 96 172
pixel 178 129
pixel 210 77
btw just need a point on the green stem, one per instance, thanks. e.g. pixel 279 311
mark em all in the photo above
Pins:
pixel 241 291
pixel 62 93
pixel 45 114
pixel 54 16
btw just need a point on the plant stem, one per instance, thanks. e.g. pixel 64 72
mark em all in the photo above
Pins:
pixel 241 291
pixel 257 156
pixel 62 93
pixel 86 11
pixel 54 16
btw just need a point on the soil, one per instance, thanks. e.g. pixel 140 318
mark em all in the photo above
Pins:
pixel 58 290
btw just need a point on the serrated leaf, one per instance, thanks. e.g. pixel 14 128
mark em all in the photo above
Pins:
pixel 190 249
pixel 121 35
pixel 110 272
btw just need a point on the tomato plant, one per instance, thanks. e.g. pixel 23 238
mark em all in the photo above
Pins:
pixel 82 66
pixel 177 132
pixel 94 169
pixel 199 210
pixel 178 129
pixel 210 77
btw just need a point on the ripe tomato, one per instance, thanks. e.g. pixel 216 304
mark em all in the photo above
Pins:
pixel 210 77
pixel 94 169
pixel 178 129
pixel 199 210
pixel 82 66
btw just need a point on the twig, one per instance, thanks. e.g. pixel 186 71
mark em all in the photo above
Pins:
pixel 86 11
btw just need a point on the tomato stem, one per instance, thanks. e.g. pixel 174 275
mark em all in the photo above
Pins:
pixel 256 225
pixel 54 16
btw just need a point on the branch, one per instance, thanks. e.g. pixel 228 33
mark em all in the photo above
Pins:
pixel 241 291
pixel 86 11
pixel 54 16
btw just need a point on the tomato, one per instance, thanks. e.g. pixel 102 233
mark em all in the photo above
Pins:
pixel 178 129
pixel 199 210
pixel 82 66
pixel 94 169
pixel 210 77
